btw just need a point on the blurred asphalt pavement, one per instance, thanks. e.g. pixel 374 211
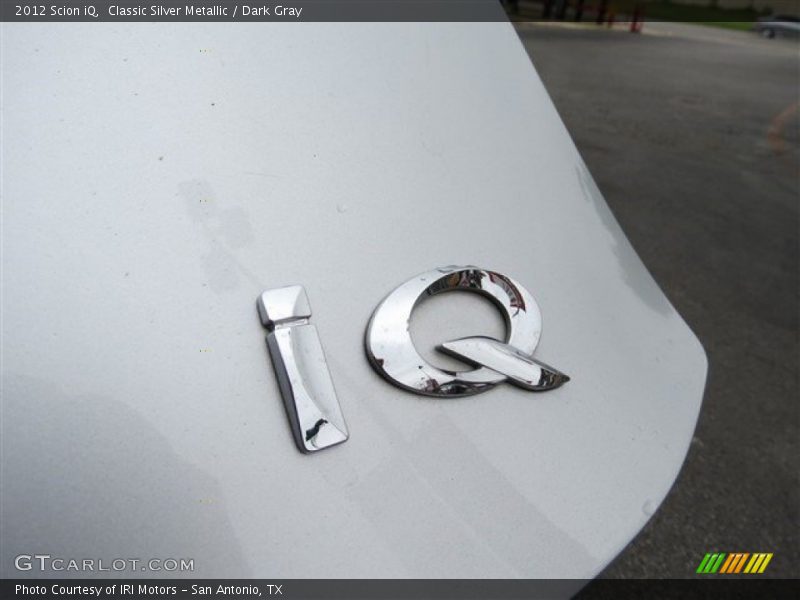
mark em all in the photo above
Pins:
pixel 692 135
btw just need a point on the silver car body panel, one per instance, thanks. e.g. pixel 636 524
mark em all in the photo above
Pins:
pixel 157 178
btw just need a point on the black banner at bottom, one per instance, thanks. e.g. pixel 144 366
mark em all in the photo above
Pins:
pixel 396 589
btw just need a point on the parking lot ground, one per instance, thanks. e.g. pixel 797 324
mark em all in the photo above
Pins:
pixel 692 136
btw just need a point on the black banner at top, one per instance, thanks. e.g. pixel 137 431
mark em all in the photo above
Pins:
pixel 251 11
pixel 290 11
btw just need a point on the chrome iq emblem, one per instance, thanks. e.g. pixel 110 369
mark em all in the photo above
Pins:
pixel 302 372
pixel 393 355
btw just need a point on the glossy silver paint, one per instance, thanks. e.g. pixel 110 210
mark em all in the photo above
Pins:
pixel 139 413
pixel 394 355
pixel 302 371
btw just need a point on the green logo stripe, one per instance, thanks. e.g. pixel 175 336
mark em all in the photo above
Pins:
pixel 715 567
pixel 703 563
pixel 711 563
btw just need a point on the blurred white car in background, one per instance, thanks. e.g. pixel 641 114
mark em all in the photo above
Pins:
pixel 778 25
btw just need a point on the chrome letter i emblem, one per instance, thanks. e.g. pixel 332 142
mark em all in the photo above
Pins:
pixel 302 371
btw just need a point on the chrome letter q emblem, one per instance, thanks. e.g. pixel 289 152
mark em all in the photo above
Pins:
pixel 392 353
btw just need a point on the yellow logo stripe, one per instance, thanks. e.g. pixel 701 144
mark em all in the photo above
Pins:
pixel 764 564
pixel 753 564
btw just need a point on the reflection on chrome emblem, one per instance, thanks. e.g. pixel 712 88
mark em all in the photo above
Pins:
pixel 314 412
pixel 393 355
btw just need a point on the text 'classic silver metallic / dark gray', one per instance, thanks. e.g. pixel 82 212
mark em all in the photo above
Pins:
pixel 152 192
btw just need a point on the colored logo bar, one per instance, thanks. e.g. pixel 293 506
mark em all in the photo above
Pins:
pixel 734 562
